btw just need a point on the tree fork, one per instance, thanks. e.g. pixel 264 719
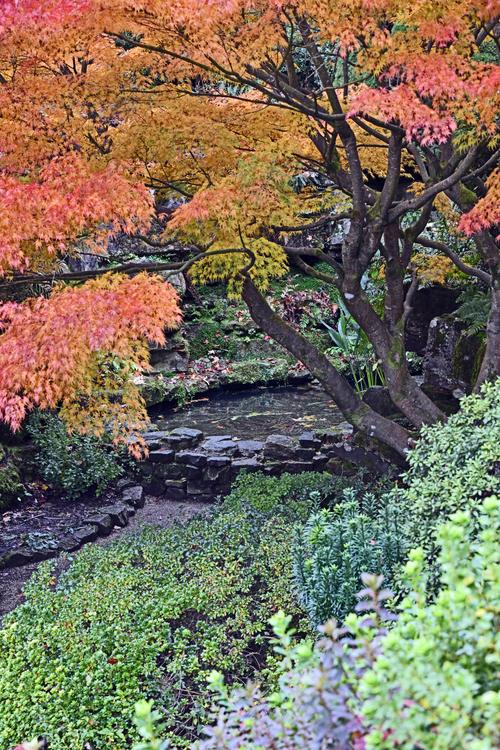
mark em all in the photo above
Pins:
pixel 336 385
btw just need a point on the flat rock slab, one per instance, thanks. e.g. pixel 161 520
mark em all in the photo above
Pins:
pixel 162 456
pixel 280 446
pixel 134 496
pixel 249 447
pixel 220 444
pixel 193 458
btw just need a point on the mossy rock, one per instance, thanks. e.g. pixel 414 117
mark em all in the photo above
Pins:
pixel 157 389
pixel 252 371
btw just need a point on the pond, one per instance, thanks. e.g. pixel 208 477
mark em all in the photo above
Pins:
pixel 256 413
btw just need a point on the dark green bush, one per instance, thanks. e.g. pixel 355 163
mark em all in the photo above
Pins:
pixel 151 616
pixel 335 547
pixel 69 462
pixel 11 488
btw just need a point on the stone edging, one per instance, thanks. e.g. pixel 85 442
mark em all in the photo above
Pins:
pixel 186 464
pixel 100 522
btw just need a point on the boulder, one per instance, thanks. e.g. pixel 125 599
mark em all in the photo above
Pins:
pixel 134 496
pixel 194 458
pixel 155 439
pixel 154 485
pixel 427 303
pixel 169 471
pixel 175 489
pixel 220 444
pixel 452 358
pixel 103 521
pixel 198 488
pixel 295 467
pixel 173 357
pixel 217 470
pixel 319 461
pixel 162 456
pixel 21 556
pixel 119 512
pixel 192 472
pixel 68 543
pixel 183 437
pixel 309 440
pixel 87 533
pixel 244 464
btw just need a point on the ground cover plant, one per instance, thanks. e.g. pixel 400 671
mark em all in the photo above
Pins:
pixel 429 680
pixel 152 615
pixel 335 547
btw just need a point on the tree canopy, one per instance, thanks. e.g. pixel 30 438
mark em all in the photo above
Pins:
pixel 386 110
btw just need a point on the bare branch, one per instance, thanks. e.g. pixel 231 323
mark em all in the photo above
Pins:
pixel 130 269
pixel 452 255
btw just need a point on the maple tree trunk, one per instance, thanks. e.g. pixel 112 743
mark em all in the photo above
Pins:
pixel 359 414
pixel 490 366
pixel 389 345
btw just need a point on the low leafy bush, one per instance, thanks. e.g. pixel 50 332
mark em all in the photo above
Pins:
pixel 430 681
pixel 453 466
pixel 436 683
pixel 335 547
pixel 151 616
pixel 70 462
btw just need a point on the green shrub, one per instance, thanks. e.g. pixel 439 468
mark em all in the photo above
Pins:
pixel 72 463
pixel 453 466
pixel 149 617
pixel 335 547
pixel 436 684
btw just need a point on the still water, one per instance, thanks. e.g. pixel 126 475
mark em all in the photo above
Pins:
pixel 255 413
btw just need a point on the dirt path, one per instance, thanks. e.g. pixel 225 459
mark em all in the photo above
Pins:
pixel 156 512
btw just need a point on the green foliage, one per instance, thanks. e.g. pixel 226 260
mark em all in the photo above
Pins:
pixel 436 684
pixel 250 371
pixel 335 547
pixel 148 723
pixel 453 466
pixel 209 335
pixel 151 616
pixel 352 344
pixel 11 487
pixel 296 492
pixel 474 309
pixel 70 462
pixel 431 681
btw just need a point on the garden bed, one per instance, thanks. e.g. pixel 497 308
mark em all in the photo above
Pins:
pixel 38 528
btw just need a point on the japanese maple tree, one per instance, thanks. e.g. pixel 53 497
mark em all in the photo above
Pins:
pixel 392 104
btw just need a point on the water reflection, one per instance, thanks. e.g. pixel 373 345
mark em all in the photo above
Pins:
pixel 256 413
